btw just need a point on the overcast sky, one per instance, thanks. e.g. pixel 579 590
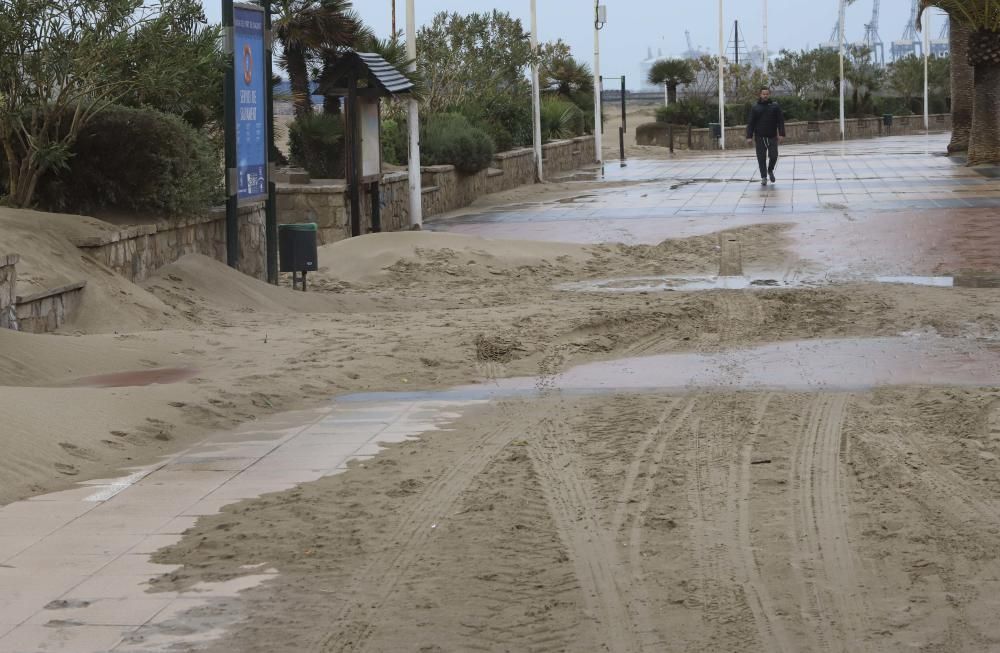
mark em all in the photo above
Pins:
pixel 636 25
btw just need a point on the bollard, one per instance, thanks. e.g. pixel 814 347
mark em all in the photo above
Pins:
pixel 670 136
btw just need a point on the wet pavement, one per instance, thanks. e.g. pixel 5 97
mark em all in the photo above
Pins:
pixel 75 566
pixel 891 206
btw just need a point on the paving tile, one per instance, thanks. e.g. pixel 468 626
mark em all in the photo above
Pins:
pixel 11 545
pixel 91 544
pixel 115 587
pixel 31 638
pixel 135 565
pixel 129 611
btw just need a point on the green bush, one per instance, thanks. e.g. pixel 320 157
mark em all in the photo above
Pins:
pixel 316 143
pixel 138 160
pixel 561 119
pixel 449 138
pixel 395 146
pixel 505 117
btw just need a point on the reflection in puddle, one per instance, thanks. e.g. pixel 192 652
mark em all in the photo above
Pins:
pixel 696 284
pixel 809 366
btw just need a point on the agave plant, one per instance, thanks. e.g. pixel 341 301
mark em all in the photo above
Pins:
pixel 982 20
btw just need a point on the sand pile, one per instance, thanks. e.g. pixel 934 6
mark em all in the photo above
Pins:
pixel 49 259
pixel 196 283
pixel 378 257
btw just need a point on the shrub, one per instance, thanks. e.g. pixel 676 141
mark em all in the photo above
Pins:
pixel 561 119
pixel 316 143
pixel 139 160
pixel 449 139
pixel 395 148
pixel 505 117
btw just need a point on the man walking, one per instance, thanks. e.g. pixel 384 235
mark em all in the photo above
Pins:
pixel 766 126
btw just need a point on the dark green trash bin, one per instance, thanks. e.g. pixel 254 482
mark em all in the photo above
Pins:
pixel 297 247
pixel 715 129
pixel 887 119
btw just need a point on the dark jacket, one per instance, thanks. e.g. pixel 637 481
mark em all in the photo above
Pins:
pixel 766 120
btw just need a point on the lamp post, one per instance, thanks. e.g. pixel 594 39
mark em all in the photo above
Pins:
pixel 767 56
pixel 600 18
pixel 536 94
pixel 416 192
pixel 927 47
pixel 722 78
pixel 843 119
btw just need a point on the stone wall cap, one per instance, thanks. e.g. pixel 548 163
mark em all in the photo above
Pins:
pixel 9 259
pixel 513 154
pixel 50 292
pixel 316 187
pixel 440 168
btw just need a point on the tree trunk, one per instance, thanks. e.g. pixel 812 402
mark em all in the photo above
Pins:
pixel 962 82
pixel 298 76
pixel 984 141
pixel 672 93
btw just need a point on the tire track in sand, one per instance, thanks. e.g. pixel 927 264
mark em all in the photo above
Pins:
pixel 832 597
pixel 620 607
pixel 375 581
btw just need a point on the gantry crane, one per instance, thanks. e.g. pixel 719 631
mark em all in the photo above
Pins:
pixel 941 46
pixel 872 41
pixel 909 45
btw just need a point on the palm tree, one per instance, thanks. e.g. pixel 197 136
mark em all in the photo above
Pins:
pixel 982 19
pixel 962 85
pixel 671 73
pixel 305 28
pixel 567 77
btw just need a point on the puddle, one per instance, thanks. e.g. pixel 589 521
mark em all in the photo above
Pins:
pixel 958 281
pixel 806 366
pixel 135 378
pixel 691 182
pixel 680 284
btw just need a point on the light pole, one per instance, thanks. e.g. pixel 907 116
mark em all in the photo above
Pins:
pixel 722 78
pixel 767 56
pixel 600 19
pixel 843 119
pixel 536 94
pixel 416 192
pixel 927 47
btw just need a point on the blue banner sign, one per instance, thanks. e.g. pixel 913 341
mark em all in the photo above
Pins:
pixel 251 104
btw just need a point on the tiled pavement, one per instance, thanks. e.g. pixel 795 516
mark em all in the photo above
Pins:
pixel 888 174
pixel 74 565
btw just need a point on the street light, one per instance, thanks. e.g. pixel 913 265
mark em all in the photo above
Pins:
pixel 927 46
pixel 416 192
pixel 600 20
pixel 767 57
pixel 536 99
pixel 722 78
pixel 843 120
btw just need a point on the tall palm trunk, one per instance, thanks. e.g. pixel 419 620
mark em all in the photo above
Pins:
pixel 962 85
pixel 984 55
pixel 672 93
pixel 298 77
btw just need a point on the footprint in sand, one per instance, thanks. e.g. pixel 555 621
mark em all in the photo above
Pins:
pixel 79 452
pixel 68 470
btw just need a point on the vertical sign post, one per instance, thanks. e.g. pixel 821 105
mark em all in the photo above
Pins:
pixel 271 218
pixel 246 114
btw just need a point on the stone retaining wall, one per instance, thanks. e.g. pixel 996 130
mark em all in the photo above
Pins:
pixel 8 281
pixel 137 252
pixel 796 132
pixel 326 203
pixel 46 311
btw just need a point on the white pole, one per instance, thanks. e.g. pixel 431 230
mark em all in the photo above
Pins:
pixel 666 95
pixel 767 55
pixel 927 47
pixel 416 192
pixel 536 93
pixel 722 78
pixel 598 136
pixel 843 120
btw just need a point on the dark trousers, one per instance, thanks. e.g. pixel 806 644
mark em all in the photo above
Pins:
pixel 766 148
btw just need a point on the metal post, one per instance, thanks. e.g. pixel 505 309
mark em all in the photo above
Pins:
pixel 927 47
pixel 621 145
pixel 376 208
pixel 232 183
pixel 624 107
pixel 670 135
pixel 767 56
pixel 416 192
pixel 271 216
pixel 843 118
pixel 722 76
pixel 598 123
pixel 353 132
pixel 736 40
pixel 536 95
pixel 394 20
